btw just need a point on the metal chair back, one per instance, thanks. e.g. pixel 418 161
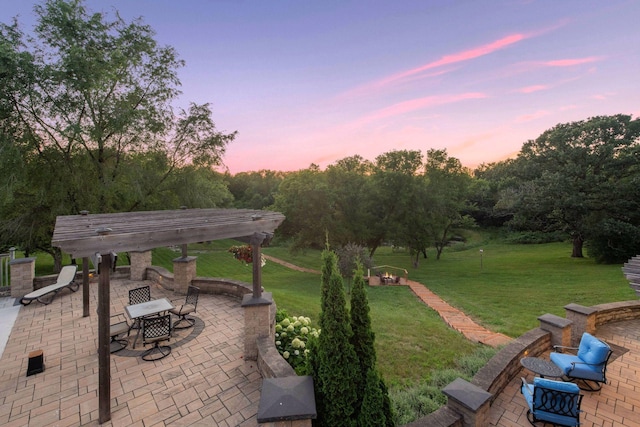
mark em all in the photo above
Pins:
pixel 139 295
pixel 156 329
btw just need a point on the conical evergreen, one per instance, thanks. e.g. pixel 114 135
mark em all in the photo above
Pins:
pixel 372 409
pixel 337 364
pixel 375 409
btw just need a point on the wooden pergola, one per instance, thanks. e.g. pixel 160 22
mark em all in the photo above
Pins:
pixel 100 236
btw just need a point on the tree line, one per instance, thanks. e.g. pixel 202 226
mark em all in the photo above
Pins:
pixel 87 123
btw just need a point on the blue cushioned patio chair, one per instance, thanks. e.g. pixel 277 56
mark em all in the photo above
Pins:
pixel 554 402
pixel 588 366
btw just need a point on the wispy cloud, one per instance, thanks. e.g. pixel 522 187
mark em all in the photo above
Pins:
pixel 446 60
pixel 416 104
pixel 533 116
pixel 570 62
pixel 531 89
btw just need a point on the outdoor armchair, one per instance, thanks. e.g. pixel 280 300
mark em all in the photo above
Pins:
pixel 588 365
pixel 115 330
pixel 154 331
pixel 552 401
pixel 137 296
pixel 189 306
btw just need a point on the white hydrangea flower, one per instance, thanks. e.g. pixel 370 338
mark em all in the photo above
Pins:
pixel 286 354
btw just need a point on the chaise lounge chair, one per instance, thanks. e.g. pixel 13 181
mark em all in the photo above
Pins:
pixel 66 279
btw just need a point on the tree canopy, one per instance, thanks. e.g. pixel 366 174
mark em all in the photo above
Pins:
pixel 88 120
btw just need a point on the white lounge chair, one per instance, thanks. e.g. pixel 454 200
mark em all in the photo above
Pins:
pixel 66 279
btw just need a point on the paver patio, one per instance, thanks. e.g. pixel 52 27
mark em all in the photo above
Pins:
pixel 204 381
pixel 616 405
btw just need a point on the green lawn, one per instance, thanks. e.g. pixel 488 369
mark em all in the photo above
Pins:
pixel 514 285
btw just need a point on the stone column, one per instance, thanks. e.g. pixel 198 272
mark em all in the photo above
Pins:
pixel 559 327
pixel 584 320
pixel 470 401
pixel 258 322
pixel 23 271
pixel 139 263
pixel 184 271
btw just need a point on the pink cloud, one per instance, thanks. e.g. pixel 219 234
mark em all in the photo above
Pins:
pixel 417 104
pixel 531 89
pixel 571 62
pixel 529 117
pixel 446 60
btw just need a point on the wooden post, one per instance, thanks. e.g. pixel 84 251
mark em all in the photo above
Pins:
pixel 85 287
pixel 104 374
pixel 256 241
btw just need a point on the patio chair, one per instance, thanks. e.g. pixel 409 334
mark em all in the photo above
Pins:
pixel 154 331
pixel 588 366
pixel 117 329
pixel 66 279
pixel 550 401
pixel 137 296
pixel 188 307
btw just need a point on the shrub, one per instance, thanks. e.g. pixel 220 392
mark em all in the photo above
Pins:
pixel 292 336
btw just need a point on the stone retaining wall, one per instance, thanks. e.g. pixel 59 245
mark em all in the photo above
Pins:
pixel 505 365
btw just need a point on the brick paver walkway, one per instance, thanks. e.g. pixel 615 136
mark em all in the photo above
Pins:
pixel 617 404
pixel 456 319
pixel 204 381
pixel 453 317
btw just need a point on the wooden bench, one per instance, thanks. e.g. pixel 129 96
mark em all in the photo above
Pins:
pixel 66 279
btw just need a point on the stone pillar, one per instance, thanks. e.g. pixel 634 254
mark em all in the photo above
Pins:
pixel 23 271
pixel 184 271
pixel 139 263
pixel 584 320
pixel 287 402
pixel 258 322
pixel 559 327
pixel 470 401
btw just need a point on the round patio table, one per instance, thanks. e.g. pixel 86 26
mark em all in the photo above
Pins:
pixel 542 367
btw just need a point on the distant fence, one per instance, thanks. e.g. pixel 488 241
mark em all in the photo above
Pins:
pixel 4 267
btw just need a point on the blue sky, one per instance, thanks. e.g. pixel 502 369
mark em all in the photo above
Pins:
pixel 316 81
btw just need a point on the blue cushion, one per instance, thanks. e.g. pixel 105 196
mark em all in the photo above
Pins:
pixel 564 361
pixel 592 350
pixel 546 408
pixel 556 385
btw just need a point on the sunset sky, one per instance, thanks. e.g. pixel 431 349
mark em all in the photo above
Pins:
pixel 316 81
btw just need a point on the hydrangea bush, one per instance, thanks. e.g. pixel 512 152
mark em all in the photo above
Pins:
pixel 292 335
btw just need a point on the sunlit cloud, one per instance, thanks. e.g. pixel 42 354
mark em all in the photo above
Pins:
pixel 534 116
pixel 531 89
pixel 446 60
pixel 416 104
pixel 571 62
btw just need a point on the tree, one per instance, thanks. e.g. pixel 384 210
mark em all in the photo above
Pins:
pixel 333 362
pixel 304 199
pixel 448 184
pixel 577 176
pixel 375 407
pixel 254 190
pixel 394 184
pixel 350 184
pixel 86 95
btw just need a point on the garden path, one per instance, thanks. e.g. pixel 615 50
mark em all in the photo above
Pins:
pixel 455 318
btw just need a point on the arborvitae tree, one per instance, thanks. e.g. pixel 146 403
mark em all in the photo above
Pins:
pixel 336 362
pixel 375 409
pixel 363 337
pixel 372 407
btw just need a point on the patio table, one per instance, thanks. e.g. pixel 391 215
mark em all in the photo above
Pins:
pixel 542 367
pixel 148 308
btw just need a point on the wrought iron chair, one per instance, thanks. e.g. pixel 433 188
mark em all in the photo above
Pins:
pixel 554 402
pixel 117 329
pixel 154 331
pixel 589 363
pixel 137 296
pixel 189 306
